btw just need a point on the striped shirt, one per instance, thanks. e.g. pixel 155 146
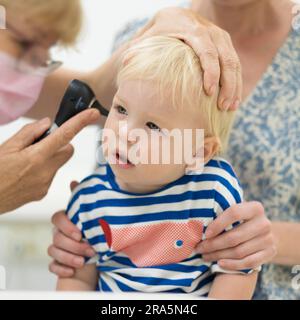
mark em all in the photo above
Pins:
pixel 146 242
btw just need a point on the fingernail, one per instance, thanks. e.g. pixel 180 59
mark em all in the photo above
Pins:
pixel 208 233
pixel 76 236
pixel 79 261
pixel 221 263
pixel 90 252
pixel 236 104
pixel 226 104
pixel 95 114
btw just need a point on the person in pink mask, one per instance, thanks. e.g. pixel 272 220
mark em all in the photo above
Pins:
pixel 32 28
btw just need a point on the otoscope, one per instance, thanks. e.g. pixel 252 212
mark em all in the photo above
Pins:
pixel 78 97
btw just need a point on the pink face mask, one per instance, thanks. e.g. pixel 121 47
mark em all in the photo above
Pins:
pixel 18 91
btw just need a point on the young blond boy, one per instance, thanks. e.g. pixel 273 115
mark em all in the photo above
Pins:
pixel 144 220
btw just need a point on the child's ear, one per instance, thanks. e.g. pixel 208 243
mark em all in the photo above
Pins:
pixel 207 151
pixel 211 147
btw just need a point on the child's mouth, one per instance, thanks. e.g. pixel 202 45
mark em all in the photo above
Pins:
pixel 123 162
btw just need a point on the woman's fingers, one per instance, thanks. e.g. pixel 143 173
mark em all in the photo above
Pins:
pixel 219 60
pixel 250 262
pixel 26 136
pixel 64 134
pixel 245 249
pixel 230 81
pixel 239 212
pixel 65 258
pixel 62 242
pixel 64 225
pixel 60 270
pixel 61 157
pixel 236 236
pixel 209 60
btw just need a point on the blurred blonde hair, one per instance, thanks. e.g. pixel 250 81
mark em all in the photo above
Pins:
pixel 176 69
pixel 61 17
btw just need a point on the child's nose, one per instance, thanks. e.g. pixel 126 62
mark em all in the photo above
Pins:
pixel 126 133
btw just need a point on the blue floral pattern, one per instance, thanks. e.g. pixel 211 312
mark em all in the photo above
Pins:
pixel 264 149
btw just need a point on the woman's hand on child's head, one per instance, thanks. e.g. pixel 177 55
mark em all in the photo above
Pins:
pixel 246 246
pixel 213 46
pixel 67 250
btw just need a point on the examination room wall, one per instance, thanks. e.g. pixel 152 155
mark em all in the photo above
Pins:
pixel 26 233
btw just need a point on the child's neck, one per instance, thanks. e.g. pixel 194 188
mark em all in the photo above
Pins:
pixel 137 188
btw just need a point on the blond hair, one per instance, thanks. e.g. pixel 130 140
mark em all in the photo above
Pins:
pixel 175 67
pixel 60 17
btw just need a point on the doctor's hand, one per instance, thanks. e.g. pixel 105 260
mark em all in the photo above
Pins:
pixel 27 169
pixel 247 246
pixel 67 250
pixel 219 60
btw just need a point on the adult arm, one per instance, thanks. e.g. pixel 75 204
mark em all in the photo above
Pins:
pixel 84 279
pixel 287 238
pixel 233 286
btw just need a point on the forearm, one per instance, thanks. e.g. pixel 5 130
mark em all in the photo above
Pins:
pixel 101 80
pixel 73 285
pixel 287 237
pixel 52 93
pixel 85 279
pixel 233 286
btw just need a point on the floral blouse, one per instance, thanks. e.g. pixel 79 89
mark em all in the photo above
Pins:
pixel 264 150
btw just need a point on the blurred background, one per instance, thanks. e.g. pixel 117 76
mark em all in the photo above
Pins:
pixel 26 233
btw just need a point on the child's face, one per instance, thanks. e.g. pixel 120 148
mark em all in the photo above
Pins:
pixel 139 106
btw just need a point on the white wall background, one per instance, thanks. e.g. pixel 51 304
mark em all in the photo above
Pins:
pixel 103 19
pixel 26 233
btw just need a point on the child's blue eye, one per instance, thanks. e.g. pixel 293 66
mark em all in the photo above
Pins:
pixel 153 126
pixel 121 110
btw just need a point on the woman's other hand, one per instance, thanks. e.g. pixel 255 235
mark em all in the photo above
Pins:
pixel 67 250
pixel 213 46
pixel 247 246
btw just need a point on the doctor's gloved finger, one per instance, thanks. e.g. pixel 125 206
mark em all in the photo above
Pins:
pixel 27 135
pixel 60 270
pixel 65 226
pixel 64 134
pixel 62 242
pixel 65 258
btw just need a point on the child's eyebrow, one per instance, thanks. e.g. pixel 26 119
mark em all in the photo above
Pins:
pixel 121 100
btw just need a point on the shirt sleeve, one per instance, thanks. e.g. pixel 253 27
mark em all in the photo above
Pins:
pixel 228 192
pixel 73 213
